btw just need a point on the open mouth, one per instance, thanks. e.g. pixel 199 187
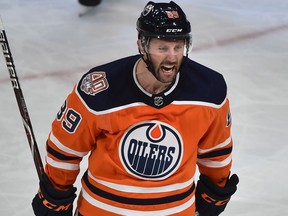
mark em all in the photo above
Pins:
pixel 168 69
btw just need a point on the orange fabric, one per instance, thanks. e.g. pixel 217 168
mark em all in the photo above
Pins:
pixel 100 135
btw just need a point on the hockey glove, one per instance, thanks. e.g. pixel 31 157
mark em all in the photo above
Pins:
pixel 52 202
pixel 211 199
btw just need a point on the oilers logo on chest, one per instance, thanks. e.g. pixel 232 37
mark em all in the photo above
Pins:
pixel 151 150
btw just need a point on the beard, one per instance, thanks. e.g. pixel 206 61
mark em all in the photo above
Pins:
pixel 167 72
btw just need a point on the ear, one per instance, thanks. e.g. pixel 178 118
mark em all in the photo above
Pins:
pixel 140 47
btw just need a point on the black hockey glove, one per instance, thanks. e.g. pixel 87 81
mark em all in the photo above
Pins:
pixel 52 202
pixel 211 199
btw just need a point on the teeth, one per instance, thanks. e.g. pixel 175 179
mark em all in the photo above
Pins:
pixel 167 68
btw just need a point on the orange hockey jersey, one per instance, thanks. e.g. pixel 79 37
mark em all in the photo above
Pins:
pixel 143 148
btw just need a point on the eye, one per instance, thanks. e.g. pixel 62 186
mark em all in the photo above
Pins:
pixel 163 49
pixel 178 48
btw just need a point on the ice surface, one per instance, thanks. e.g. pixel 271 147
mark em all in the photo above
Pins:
pixel 247 41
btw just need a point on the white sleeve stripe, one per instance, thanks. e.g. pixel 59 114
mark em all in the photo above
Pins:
pixel 62 165
pixel 129 212
pixel 133 189
pixel 221 145
pixel 64 148
pixel 215 164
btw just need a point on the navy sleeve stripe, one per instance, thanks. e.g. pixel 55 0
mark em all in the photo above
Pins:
pixel 218 153
pixel 59 155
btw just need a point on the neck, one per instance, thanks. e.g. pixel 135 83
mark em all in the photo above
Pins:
pixel 147 80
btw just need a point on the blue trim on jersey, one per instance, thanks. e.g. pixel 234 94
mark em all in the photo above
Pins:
pixel 196 83
pixel 138 201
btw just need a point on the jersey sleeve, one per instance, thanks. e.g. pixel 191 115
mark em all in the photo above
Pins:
pixel 70 139
pixel 214 156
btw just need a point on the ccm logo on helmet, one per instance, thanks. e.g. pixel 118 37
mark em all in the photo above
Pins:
pixel 174 30
pixel 151 150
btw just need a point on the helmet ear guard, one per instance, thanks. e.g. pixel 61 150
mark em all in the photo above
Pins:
pixel 143 47
pixel 188 45
pixel 144 41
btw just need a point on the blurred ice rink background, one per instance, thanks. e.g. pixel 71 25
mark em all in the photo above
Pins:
pixel 247 41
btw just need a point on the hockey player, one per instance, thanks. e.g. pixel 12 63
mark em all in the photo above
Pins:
pixel 146 121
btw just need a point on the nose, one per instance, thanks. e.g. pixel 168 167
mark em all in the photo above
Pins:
pixel 171 55
pixel 172 52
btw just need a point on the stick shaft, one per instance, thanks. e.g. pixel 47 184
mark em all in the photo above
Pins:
pixel 20 101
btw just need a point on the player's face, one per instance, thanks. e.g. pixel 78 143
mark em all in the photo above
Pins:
pixel 166 57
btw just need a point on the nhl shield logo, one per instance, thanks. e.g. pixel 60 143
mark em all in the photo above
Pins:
pixel 151 150
pixel 158 101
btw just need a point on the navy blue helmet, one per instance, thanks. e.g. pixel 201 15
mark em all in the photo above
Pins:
pixel 163 20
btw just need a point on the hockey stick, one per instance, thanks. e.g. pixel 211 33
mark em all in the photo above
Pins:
pixel 21 102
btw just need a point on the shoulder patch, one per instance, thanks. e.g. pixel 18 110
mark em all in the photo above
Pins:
pixel 94 83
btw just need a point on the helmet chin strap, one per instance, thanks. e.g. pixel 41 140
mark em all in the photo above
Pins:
pixel 147 61
pixel 149 64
